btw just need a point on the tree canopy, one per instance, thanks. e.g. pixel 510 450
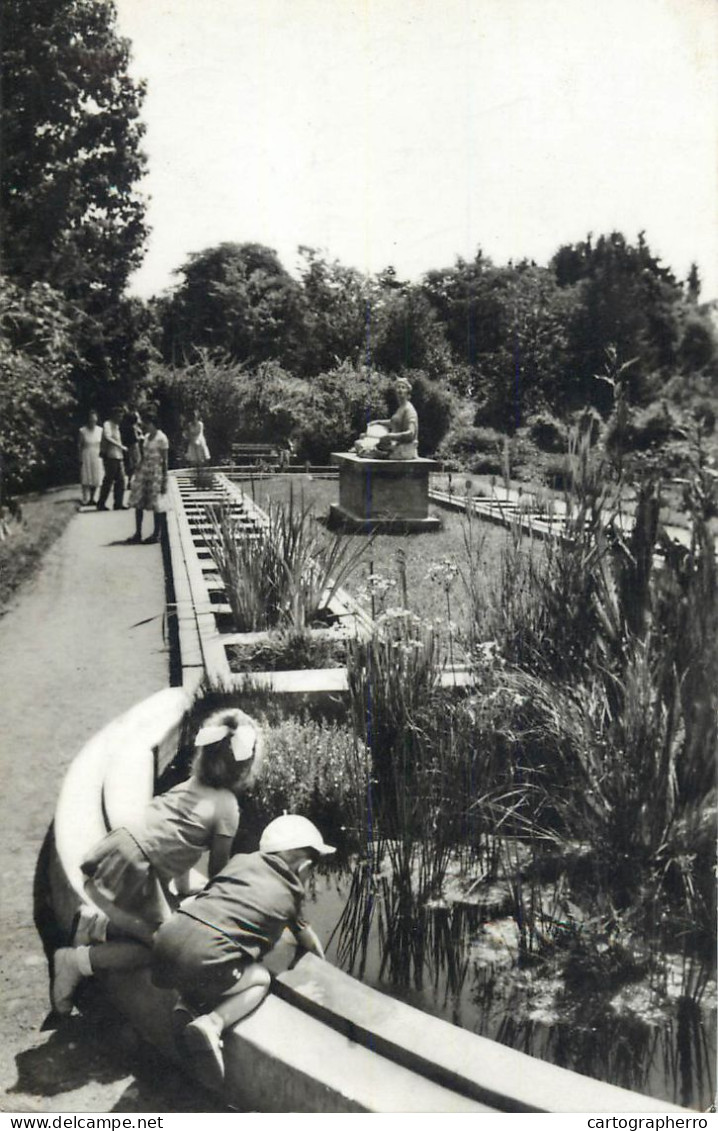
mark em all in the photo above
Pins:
pixel 71 138
pixel 237 298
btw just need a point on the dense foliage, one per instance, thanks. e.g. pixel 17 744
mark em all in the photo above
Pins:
pixel 36 356
pixel 519 349
pixel 71 135
pixel 265 353
pixel 73 227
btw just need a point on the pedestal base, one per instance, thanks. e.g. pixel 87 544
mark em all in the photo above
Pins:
pixel 339 519
pixel 387 495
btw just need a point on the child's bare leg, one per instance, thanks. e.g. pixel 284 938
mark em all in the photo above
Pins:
pixel 203 1036
pixel 251 991
pixel 119 956
pixel 71 964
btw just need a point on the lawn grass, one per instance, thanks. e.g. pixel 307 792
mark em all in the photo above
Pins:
pixel 44 517
pixel 425 596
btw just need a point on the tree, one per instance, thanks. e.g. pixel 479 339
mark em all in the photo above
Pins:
pixel 405 330
pixel 693 283
pixel 237 298
pixel 71 143
pixel 467 303
pixel 508 325
pixel 625 299
pixel 336 312
pixel 526 371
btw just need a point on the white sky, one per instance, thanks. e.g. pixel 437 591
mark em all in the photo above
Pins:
pixel 408 132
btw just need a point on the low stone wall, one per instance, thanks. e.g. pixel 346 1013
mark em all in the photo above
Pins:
pixel 322 1042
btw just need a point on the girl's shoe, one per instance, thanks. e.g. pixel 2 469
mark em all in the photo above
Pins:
pixel 153 538
pixel 203 1041
pixel 88 926
pixel 66 977
pixel 134 540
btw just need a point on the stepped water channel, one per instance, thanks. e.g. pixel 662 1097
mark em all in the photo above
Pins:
pixel 672 1061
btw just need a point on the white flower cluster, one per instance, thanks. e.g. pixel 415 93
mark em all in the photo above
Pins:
pixel 444 573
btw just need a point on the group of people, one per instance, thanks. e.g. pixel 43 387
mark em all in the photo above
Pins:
pixel 209 946
pixel 127 450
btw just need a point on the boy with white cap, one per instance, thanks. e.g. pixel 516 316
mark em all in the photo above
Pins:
pixel 211 949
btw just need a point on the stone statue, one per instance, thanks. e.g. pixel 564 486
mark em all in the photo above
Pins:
pixel 397 437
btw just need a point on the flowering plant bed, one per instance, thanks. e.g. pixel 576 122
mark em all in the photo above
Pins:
pixel 288 651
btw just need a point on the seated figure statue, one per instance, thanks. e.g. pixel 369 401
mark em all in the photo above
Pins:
pixel 397 437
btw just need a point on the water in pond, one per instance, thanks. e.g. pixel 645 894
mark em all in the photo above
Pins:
pixel 669 1055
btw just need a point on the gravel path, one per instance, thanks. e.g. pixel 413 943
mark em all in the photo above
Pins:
pixel 82 642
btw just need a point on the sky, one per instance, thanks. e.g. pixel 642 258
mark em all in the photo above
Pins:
pixel 410 132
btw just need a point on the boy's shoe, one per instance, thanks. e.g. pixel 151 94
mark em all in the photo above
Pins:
pixel 203 1041
pixel 66 977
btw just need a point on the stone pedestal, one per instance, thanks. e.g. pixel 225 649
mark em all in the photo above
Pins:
pixel 383 494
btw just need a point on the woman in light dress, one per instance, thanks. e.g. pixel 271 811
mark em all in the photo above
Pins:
pixel 150 481
pixel 197 450
pixel 91 470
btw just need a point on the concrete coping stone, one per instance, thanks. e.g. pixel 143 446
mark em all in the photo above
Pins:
pixel 473 1066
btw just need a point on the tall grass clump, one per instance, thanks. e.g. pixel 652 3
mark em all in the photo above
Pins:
pixel 439 793
pixel 280 573
pixel 612 631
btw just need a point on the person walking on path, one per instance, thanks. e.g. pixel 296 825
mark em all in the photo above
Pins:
pixel 197 450
pixel 112 451
pixel 132 437
pixel 150 481
pixel 89 441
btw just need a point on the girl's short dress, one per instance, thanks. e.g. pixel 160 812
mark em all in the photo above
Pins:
pixel 125 877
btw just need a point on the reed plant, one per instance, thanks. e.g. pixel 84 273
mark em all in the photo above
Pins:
pixel 609 637
pixel 282 572
pixel 439 795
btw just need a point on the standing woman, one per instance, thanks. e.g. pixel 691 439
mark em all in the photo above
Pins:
pixel 89 440
pixel 197 450
pixel 149 483
pixel 132 437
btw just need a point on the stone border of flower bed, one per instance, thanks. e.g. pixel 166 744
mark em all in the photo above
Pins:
pixel 202 645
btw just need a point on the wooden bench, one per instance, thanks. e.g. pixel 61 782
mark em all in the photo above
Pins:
pixel 248 455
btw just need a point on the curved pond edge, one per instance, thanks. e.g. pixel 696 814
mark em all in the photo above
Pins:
pixel 321 1042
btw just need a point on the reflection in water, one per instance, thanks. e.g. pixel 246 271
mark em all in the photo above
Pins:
pixel 437 959
pixel 416 942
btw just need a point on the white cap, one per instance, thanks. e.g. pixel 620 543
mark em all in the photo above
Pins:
pixel 291 831
pixel 244 733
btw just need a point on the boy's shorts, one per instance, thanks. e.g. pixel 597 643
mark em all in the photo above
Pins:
pixel 198 960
